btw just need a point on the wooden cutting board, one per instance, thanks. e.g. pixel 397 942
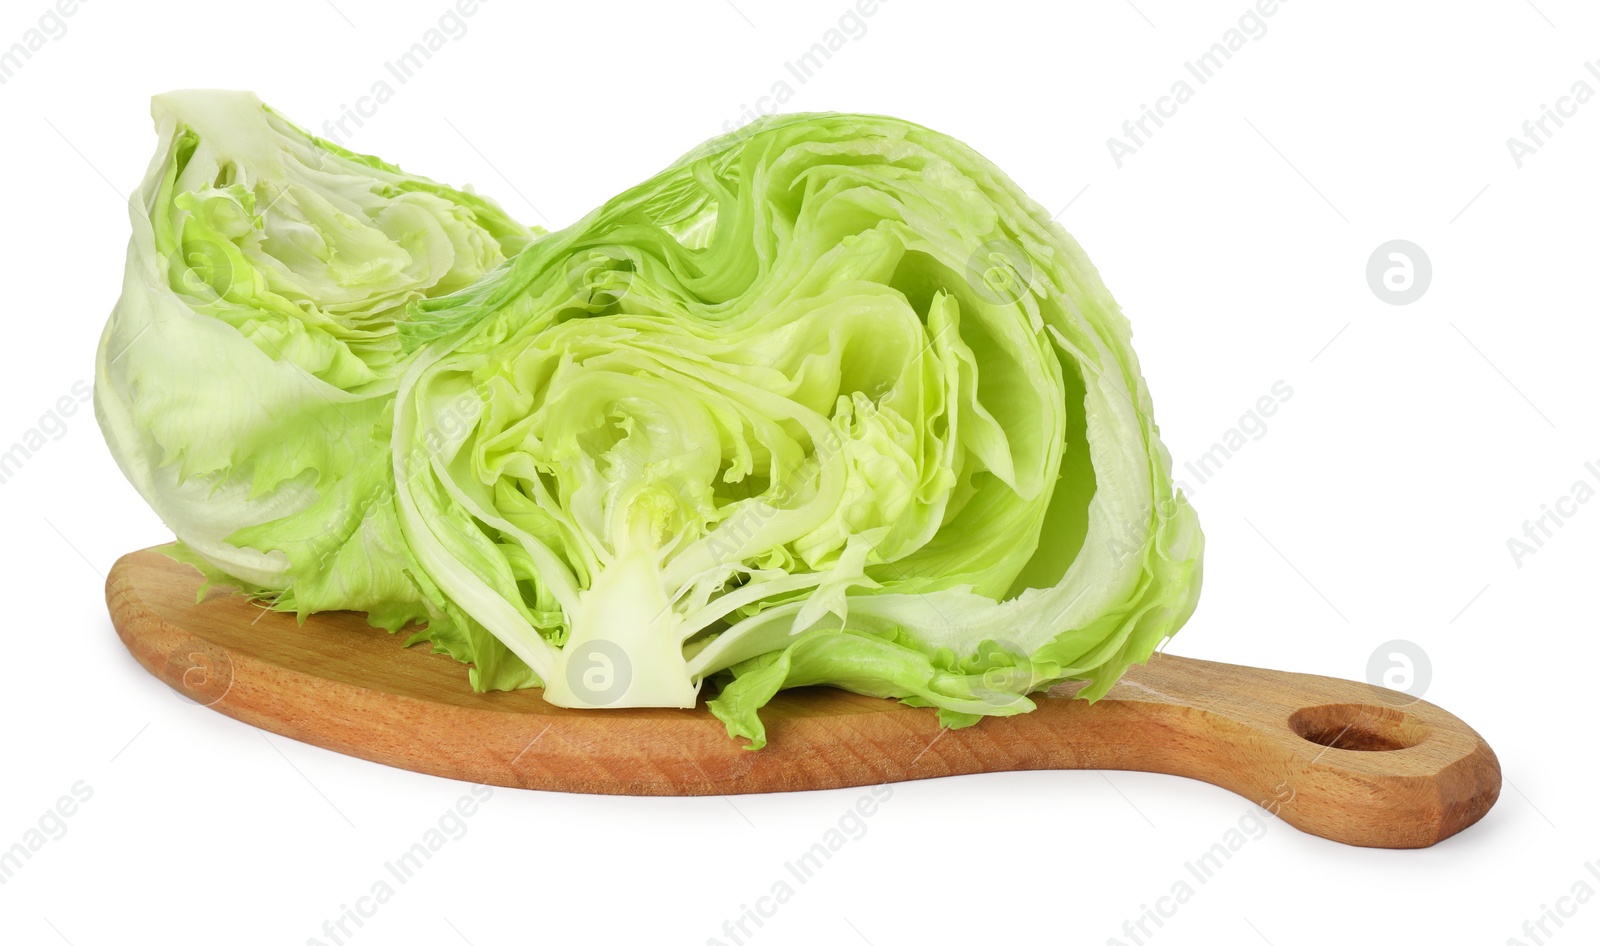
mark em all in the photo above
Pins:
pixel 1343 760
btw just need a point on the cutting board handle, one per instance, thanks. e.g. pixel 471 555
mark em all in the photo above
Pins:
pixel 1348 761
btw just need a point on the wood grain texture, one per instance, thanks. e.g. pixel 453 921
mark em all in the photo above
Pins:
pixel 1343 760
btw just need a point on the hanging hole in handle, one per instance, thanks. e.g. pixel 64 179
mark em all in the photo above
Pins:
pixel 1360 727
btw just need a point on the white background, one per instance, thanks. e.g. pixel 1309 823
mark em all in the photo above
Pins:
pixel 1377 506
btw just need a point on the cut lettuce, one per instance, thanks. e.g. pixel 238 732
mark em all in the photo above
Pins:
pixel 246 380
pixel 830 401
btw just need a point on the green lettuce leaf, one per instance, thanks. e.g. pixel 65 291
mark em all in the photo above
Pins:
pixel 829 401
pixel 246 379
